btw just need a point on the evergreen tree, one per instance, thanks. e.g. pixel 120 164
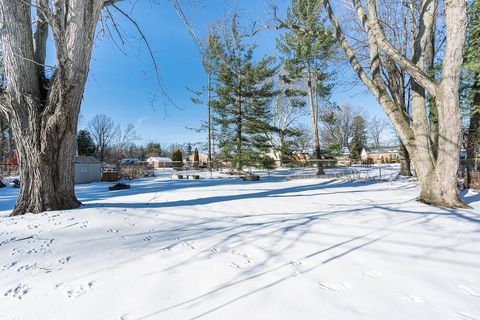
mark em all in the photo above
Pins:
pixel 472 64
pixel 177 158
pixel 359 137
pixel 306 55
pixel 196 158
pixel 153 149
pixel 86 146
pixel 244 91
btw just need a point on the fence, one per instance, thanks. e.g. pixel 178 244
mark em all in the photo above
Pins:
pixel 292 169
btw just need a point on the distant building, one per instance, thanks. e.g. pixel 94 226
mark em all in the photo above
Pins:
pixel 202 159
pixel 160 162
pixel 87 169
pixel 379 155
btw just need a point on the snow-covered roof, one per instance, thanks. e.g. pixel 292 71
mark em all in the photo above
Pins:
pixel 159 159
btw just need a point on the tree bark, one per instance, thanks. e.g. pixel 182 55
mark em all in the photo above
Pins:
pixel 209 105
pixel 405 168
pixel 314 120
pixel 438 177
pixel 44 112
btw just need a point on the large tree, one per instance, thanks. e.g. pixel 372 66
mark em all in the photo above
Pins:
pixel 307 56
pixel 42 103
pixel 244 91
pixel 434 146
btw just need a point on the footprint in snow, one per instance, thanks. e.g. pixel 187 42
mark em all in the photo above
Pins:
pixel 468 291
pixel 148 238
pixel 188 244
pixel 65 260
pixel 113 230
pixel 9 265
pixel 18 292
pixel 82 289
pixel 412 299
pixel 27 267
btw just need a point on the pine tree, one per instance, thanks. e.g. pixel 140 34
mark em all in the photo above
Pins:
pixel 196 158
pixel 359 137
pixel 177 158
pixel 472 59
pixel 86 146
pixel 306 55
pixel 244 91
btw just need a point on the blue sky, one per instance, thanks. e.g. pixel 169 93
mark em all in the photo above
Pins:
pixel 122 81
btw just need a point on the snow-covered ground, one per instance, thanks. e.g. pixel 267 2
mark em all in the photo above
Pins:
pixel 229 249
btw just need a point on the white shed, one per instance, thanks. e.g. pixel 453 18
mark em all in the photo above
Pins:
pixel 87 169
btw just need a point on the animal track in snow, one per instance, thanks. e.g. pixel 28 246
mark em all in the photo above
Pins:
pixel 468 291
pixel 243 255
pixel 27 267
pixel 113 230
pixel 84 224
pixel 188 244
pixel 9 265
pixel 65 260
pixel 18 292
pixel 82 289
pixel 149 238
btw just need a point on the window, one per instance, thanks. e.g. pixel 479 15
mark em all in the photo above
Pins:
pixel 83 169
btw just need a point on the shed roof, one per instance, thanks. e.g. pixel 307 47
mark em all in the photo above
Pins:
pixel 159 159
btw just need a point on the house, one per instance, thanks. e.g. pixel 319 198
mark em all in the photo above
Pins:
pixel 202 159
pixel 160 162
pixel 87 169
pixel 380 155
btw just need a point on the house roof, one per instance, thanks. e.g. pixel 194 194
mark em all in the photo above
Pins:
pixel 159 159
pixel 86 159
pixel 383 149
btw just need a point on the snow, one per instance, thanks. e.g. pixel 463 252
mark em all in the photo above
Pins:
pixel 224 248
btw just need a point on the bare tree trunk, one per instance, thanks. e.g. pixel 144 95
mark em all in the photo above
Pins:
pixel 44 112
pixel 405 169
pixel 239 126
pixel 314 120
pixel 209 104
